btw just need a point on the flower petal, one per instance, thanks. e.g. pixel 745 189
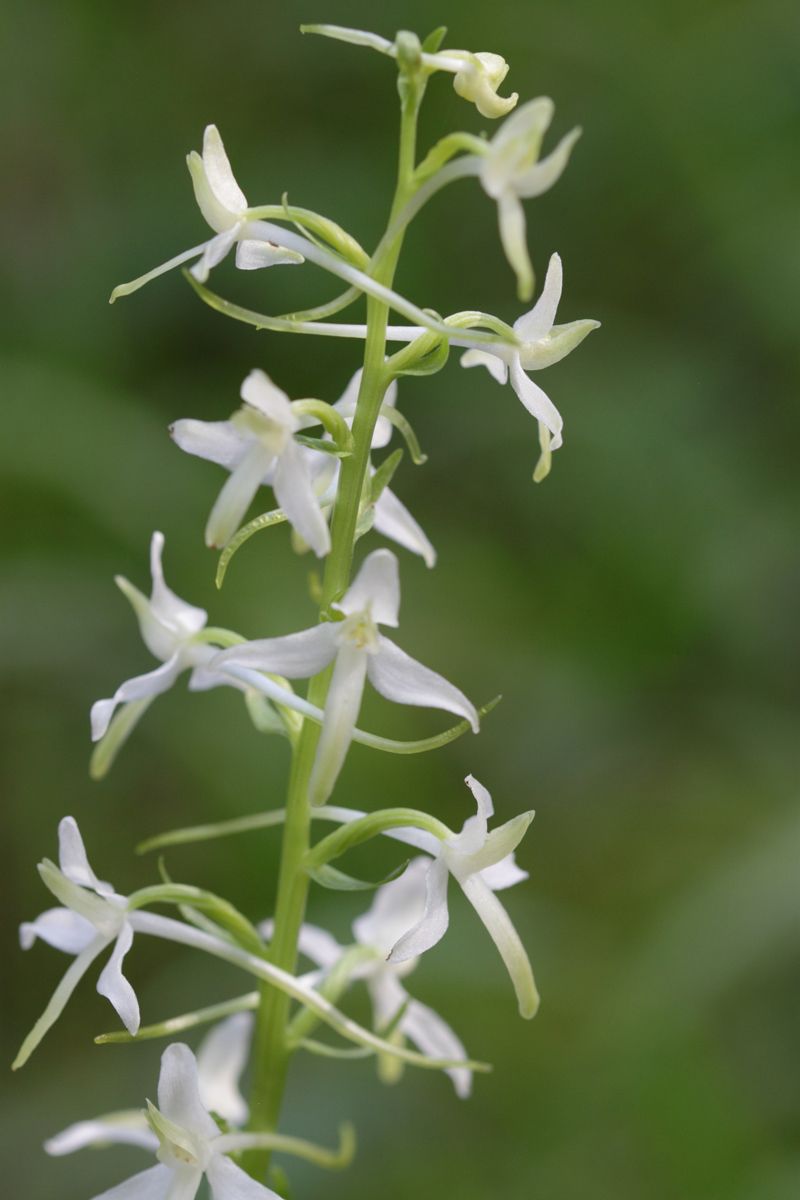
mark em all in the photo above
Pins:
pixel 214 251
pixel 138 688
pixel 295 495
pixel 66 986
pixel 319 945
pixel 221 1059
pixel 261 393
pixel 513 236
pixel 397 907
pixel 495 365
pixel 237 495
pixel 375 589
pixel 537 402
pixel 497 846
pixel 122 1128
pixel 125 289
pixel 115 987
pixel 229 1182
pixel 341 712
pixel 555 345
pixel 503 874
pixel 539 321
pixel 434 1037
pixel 152 1184
pixel 506 938
pixel 73 861
pixel 218 441
pixel 346 405
pixel 433 924
pixel 297 656
pixel 393 520
pixel 179 1092
pixel 218 172
pixel 60 928
pixel 541 177
pixel 184 619
pixel 254 253
pixel 402 679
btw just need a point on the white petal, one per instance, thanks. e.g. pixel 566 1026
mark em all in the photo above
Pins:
pixel 123 1128
pixel 555 345
pixel 297 656
pixel 66 986
pixel 260 392
pixel 539 321
pixel 527 127
pixel 179 1094
pixel 387 995
pixel 341 713
pixel 125 289
pixel 483 799
pixel 503 874
pixel 214 252
pixel 115 987
pixel 296 496
pixel 398 906
pixel 219 174
pixel 537 402
pixel 253 253
pixel 73 861
pixel 221 1059
pixel 229 1182
pixel 218 441
pixel 138 688
pixel 346 405
pixel 60 928
pixel 236 496
pixel 375 589
pixel 482 358
pixel 393 520
pixel 434 1037
pixel 152 1184
pixel 541 177
pixel 513 236
pixel 319 945
pixel 433 925
pixel 497 846
pixel 185 619
pixel 402 679
pixel 506 938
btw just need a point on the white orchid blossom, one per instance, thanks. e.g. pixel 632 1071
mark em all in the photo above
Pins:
pixel 170 629
pixel 391 517
pixel 482 863
pixel 93 917
pixel 257 446
pixel 224 206
pixel 476 76
pixel 184 1136
pixel 358 651
pixel 541 343
pixel 510 171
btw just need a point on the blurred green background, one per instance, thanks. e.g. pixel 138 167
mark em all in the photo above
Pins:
pixel 638 610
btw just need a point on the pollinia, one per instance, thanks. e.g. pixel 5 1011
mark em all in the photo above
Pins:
pixel 332 483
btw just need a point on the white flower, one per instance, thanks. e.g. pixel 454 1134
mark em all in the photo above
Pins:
pixel 257 446
pixel 357 650
pixel 391 517
pixel 541 343
pixel 482 862
pixel 224 206
pixel 510 171
pixel 93 917
pixel 188 1143
pixel 170 629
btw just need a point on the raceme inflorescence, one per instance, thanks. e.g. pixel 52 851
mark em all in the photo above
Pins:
pixel 323 461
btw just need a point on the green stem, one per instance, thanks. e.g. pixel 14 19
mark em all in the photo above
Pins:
pixel 271 1051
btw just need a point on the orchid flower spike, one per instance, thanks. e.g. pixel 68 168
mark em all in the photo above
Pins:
pixel 477 76
pixel 482 862
pixel 392 518
pixel 93 917
pixel 510 171
pixel 171 629
pixel 187 1142
pixel 358 651
pixel 541 343
pixel 257 446
pixel 224 206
